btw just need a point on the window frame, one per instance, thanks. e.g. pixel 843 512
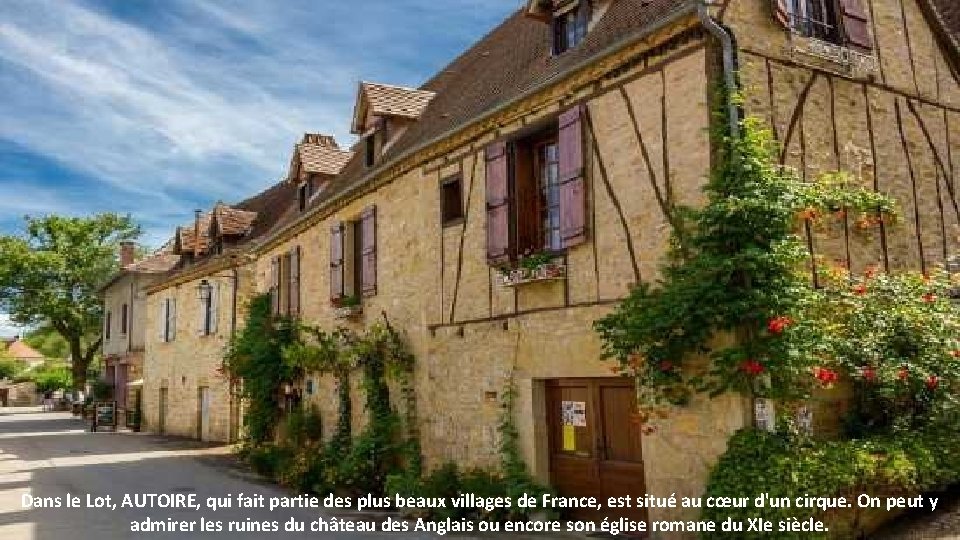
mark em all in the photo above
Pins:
pixel 446 218
pixel 527 233
pixel 570 27
pixel 545 209
pixel 805 23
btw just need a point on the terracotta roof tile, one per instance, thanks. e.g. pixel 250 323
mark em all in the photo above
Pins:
pixel 154 264
pixel 512 59
pixel 389 100
pixel 232 221
pixel 18 349
pixel 322 159
pixel 187 233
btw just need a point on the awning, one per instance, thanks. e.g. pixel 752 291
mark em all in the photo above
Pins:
pixel 138 382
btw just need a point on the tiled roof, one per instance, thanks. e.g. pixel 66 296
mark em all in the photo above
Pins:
pixel 154 264
pixel 388 100
pixel 18 349
pixel 187 233
pixel 322 156
pixel 232 221
pixel 512 60
pixel 949 11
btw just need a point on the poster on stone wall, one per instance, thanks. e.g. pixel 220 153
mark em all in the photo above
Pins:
pixel 574 413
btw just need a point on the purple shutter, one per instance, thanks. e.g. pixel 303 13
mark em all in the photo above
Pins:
pixel 782 13
pixel 336 261
pixel 498 204
pixel 572 200
pixel 368 251
pixel 295 282
pixel 855 23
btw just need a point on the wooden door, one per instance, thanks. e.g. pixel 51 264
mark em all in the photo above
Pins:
pixel 4 396
pixel 595 448
pixel 203 429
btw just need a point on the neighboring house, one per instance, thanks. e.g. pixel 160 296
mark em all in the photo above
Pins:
pixel 124 321
pixel 569 130
pixel 17 349
pixel 193 310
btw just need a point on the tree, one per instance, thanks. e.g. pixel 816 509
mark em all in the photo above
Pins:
pixel 48 341
pixel 50 275
pixel 8 366
pixel 52 377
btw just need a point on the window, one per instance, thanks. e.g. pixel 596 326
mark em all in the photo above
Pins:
pixel 275 292
pixel 124 318
pixel 209 296
pixel 167 322
pixel 303 195
pixel 353 258
pixel 107 324
pixel 293 282
pixel 570 25
pixel 370 149
pixel 535 189
pixel 843 23
pixel 451 200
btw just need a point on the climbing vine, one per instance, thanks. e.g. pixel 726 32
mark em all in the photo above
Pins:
pixel 254 364
pixel 736 287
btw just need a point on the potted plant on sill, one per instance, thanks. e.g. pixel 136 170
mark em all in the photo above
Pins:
pixel 533 267
pixel 347 307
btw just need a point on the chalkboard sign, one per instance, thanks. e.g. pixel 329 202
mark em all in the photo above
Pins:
pixel 106 414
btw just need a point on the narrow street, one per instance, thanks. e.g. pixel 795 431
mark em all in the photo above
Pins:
pixel 51 454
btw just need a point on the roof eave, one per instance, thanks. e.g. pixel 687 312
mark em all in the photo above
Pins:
pixel 688 8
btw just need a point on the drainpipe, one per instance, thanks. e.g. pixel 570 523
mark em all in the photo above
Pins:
pixel 729 64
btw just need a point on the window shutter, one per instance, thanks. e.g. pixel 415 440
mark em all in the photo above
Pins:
pixel 855 23
pixel 214 307
pixel 336 261
pixel 295 281
pixel 162 320
pixel 275 285
pixel 781 12
pixel 172 315
pixel 572 200
pixel 498 204
pixel 202 317
pixel 368 251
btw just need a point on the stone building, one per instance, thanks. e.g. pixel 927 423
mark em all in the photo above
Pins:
pixel 192 312
pixel 567 132
pixel 124 322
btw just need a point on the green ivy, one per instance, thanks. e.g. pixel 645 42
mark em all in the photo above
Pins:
pixel 736 265
pixel 254 362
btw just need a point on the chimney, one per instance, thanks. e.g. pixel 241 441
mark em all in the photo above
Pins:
pixel 321 140
pixel 196 234
pixel 127 253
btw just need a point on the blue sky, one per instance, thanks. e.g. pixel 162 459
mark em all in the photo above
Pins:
pixel 157 107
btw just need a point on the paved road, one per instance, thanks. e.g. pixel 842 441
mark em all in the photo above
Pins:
pixel 48 455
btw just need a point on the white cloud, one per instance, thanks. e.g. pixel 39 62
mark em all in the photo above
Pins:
pixel 166 110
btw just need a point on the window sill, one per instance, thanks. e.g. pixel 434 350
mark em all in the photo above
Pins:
pixel 520 276
pixel 847 59
pixel 347 312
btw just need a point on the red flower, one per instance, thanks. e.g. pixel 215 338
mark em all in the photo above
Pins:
pixel 778 324
pixel 808 214
pixel 751 367
pixel 929 298
pixel 860 289
pixel 869 374
pixel 955 353
pixel 903 373
pixel 870 272
pixel 933 382
pixel 826 376
pixel 666 365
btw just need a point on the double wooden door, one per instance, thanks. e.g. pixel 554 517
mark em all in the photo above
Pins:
pixel 595 447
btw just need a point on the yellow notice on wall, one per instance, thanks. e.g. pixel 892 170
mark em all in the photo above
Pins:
pixel 569 438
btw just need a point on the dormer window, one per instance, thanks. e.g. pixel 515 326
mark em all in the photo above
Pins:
pixel 571 20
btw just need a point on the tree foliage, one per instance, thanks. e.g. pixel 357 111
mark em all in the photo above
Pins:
pixel 48 342
pixel 50 275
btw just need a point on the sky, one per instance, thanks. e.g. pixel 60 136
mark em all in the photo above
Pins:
pixel 156 107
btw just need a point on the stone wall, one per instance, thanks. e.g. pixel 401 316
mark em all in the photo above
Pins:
pixel 895 128
pixel 647 133
pixel 192 361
